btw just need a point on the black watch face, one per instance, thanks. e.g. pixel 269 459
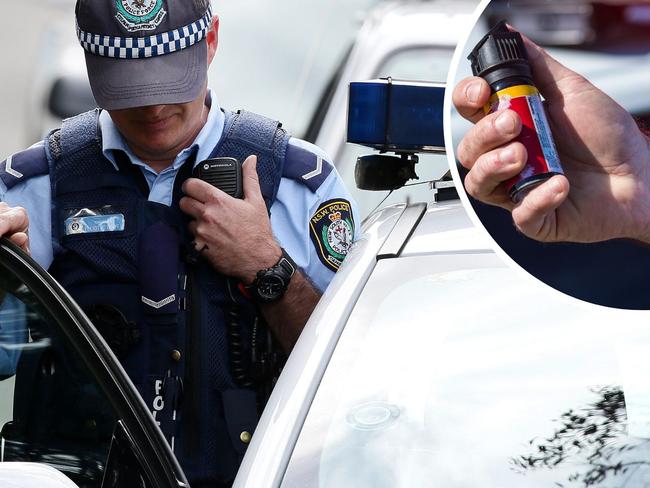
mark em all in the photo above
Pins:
pixel 270 287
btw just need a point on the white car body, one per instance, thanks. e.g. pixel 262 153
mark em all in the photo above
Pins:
pixel 32 475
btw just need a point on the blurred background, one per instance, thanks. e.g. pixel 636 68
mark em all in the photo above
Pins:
pixel 274 57
pixel 289 60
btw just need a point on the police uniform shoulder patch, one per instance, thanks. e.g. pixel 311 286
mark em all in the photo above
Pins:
pixel 332 232
pixel 139 15
pixel 24 165
pixel 306 167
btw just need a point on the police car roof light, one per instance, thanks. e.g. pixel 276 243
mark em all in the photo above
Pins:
pixel 396 115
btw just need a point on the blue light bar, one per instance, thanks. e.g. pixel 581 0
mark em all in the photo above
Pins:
pixel 396 115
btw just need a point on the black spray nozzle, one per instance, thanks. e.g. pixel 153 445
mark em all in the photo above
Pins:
pixel 500 54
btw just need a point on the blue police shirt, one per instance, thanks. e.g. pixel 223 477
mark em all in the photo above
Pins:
pixel 313 216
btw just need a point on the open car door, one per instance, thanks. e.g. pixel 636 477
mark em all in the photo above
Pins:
pixel 65 401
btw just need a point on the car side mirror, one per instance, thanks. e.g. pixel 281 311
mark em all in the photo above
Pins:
pixel 123 467
pixel 70 96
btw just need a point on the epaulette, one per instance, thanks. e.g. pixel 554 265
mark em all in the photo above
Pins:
pixel 24 165
pixel 306 167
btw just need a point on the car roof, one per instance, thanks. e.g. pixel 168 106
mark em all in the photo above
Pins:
pixel 446 227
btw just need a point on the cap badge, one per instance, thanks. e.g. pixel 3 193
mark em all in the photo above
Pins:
pixel 137 15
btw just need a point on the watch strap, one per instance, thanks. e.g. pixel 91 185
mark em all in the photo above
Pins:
pixel 285 268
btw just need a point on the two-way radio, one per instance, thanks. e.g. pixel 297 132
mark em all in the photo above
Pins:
pixel 223 173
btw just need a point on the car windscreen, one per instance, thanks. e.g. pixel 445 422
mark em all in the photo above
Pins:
pixel 454 371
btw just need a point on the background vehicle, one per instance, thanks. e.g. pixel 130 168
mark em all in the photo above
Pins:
pixel 404 40
pixel 609 43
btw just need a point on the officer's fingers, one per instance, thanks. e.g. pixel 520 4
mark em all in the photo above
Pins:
pixel 469 97
pixel 21 239
pixel 252 191
pixel 484 181
pixel 202 191
pixel 192 207
pixel 13 220
pixel 192 227
pixel 490 132
pixel 534 216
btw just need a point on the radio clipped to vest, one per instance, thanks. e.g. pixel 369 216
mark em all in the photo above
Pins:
pixel 222 173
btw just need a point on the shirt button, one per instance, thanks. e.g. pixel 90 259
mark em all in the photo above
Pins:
pixel 176 355
pixel 245 437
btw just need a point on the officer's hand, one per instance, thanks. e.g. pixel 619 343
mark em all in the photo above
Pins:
pixel 237 232
pixel 605 156
pixel 14 224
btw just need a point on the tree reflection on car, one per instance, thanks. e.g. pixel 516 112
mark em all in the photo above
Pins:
pixel 593 442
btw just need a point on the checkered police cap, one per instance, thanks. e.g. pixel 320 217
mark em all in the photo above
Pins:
pixel 144 52
pixel 148 46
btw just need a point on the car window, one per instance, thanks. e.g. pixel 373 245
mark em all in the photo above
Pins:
pixel 51 410
pixel 419 64
pixel 454 371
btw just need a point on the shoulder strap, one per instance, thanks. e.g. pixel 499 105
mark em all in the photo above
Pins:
pixel 245 134
pixel 75 149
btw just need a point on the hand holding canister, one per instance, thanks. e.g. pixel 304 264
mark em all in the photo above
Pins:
pixel 500 59
pixel 604 154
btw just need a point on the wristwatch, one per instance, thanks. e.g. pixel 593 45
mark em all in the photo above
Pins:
pixel 270 284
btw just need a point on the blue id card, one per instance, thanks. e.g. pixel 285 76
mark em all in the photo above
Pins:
pixel 94 223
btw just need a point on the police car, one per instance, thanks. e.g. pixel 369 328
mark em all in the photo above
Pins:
pixel 428 362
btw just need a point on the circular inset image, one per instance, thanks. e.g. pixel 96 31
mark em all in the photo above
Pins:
pixel 549 122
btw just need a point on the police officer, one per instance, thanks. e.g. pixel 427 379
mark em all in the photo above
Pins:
pixel 180 277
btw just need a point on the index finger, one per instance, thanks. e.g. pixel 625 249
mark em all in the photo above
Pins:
pixel 470 96
pixel 201 190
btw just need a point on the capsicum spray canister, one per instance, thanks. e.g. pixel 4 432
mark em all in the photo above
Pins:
pixel 500 58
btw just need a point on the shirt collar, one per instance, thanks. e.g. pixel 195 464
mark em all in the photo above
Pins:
pixel 203 144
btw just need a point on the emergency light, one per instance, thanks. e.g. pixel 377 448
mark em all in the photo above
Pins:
pixel 396 115
pixel 401 117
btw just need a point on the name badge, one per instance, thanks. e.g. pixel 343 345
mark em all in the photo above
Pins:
pixel 94 223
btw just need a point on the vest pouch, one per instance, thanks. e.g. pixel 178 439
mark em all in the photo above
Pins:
pixel 240 412
pixel 159 271
pixel 100 207
pixel 96 222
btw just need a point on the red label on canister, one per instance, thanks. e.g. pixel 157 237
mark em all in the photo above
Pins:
pixel 543 160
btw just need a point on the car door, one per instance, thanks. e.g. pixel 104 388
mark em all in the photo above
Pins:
pixel 65 401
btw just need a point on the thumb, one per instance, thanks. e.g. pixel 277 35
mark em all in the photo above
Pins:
pixel 251 179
